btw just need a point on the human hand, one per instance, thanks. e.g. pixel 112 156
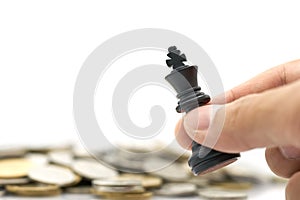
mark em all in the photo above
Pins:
pixel 262 112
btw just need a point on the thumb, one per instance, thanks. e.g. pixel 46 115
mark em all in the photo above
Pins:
pixel 258 120
pixel 292 188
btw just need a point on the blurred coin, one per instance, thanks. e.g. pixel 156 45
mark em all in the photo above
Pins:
pixel 91 169
pixel 52 174
pixel 12 151
pixel 118 186
pixel 37 159
pixel 78 190
pixel 2 192
pixel 14 167
pixel 116 182
pixel 120 189
pixel 34 190
pixel 122 163
pixel 165 169
pixel 213 194
pixel 140 147
pixel 147 181
pixel 124 196
pixel 63 158
pixel 199 181
pixel 127 161
pixel 80 152
pixel 247 173
pixel 215 176
pixel 177 189
pixel 14 181
pixel 234 185
pixel 175 153
pixel 45 148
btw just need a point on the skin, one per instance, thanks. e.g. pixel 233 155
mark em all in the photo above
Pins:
pixel 262 112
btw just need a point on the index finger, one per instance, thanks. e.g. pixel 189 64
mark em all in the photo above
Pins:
pixel 272 78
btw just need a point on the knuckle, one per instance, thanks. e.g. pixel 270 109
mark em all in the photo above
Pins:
pixel 292 121
pixel 236 121
pixel 234 111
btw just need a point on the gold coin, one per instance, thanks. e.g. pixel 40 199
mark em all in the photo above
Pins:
pixel 137 196
pixel 234 185
pixel 99 192
pixel 34 190
pixel 147 181
pixel 14 168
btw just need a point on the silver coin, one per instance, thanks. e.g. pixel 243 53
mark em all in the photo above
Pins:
pixel 215 176
pixel 52 174
pixel 44 148
pixel 63 158
pixel 177 189
pixel 168 171
pixel 92 169
pixel 14 181
pixel 12 151
pixel 247 173
pixel 120 189
pixel 176 153
pixel 117 183
pixel 199 181
pixel 141 147
pixel 38 159
pixel 123 163
pixel 80 152
pixel 213 194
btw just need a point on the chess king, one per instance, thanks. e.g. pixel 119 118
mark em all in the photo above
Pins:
pixel 183 79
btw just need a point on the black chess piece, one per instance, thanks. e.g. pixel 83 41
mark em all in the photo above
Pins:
pixel 183 79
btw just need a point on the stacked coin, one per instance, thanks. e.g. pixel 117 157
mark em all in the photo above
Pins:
pixel 34 190
pixel 222 195
pixel 48 171
pixel 120 189
pixel 177 189
pixel 148 182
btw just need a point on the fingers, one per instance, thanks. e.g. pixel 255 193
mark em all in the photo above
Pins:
pixel 274 77
pixel 281 165
pixel 261 120
pixel 201 121
pixel 285 167
pixel 292 190
pixel 181 136
pixel 290 152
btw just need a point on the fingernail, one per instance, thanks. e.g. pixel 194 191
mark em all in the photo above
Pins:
pixel 197 120
pixel 290 152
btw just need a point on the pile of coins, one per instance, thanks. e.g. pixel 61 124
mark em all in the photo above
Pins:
pixel 50 171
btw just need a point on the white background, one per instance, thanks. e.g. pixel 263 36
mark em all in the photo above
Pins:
pixel 44 43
